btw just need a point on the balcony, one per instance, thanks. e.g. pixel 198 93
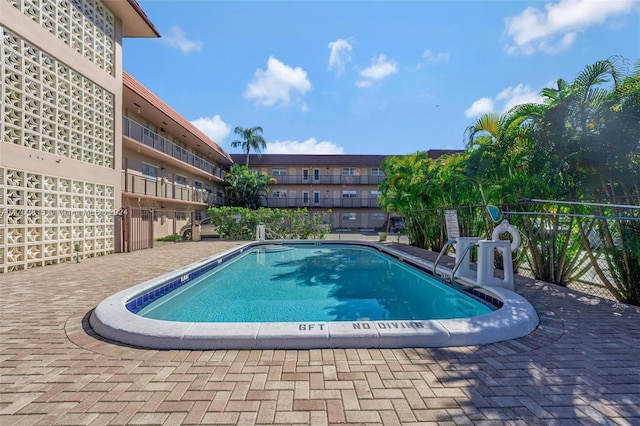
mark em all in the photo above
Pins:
pixel 327 180
pixel 322 203
pixel 144 186
pixel 145 136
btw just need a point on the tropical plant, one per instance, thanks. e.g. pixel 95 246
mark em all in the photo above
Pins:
pixel 420 189
pixel 580 143
pixel 251 139
pixel 245 188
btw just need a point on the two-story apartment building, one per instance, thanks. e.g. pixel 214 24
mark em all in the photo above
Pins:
pixel 61 111
pixel 169 167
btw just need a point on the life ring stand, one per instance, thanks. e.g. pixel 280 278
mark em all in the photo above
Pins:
pixel 504 227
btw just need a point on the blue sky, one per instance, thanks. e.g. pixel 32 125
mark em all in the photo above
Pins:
pixel 368 77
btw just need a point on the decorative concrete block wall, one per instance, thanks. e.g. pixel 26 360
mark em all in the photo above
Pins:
pixel 50 107
pixel 43 217
pixel 85 25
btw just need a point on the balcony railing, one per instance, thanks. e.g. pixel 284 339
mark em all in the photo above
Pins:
pixel 327 180
pixel 324 203
pixel 136 184
pixel 143 135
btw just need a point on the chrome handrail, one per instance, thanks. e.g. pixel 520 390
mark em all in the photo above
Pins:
pixel 273 233
pixel 459 262
pixel 442 252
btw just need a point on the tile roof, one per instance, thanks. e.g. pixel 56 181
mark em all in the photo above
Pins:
pixel 137 87
pixel 323 159
pixel 307 160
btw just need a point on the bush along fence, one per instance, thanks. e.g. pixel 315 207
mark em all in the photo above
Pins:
pixel 588 246
pixel 238 223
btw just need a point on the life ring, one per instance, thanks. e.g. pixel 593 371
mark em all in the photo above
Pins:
pixel 503 227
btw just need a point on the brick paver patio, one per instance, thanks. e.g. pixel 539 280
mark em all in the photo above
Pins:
pixel 581 366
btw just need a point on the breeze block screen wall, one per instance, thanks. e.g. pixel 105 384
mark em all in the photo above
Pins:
pixel 58 179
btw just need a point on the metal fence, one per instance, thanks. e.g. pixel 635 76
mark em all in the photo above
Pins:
pixel 593 247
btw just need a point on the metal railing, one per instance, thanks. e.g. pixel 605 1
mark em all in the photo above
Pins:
pixel 143 135
pixel 136 184
pixel 327 180
pixel 324 203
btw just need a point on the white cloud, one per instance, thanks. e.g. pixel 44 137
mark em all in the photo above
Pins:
pixel 435 58
pixel 363 83
pixel 380 68
pixel 275 84
pixel 213 127
pixel 339 55
pixel 507 99
pixel 479 107
pixel 518 95
pixel 177 38
pixel 310 146
pixel 555 28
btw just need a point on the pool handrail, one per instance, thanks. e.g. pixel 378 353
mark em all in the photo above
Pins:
pixel 442 253
pixel 459 262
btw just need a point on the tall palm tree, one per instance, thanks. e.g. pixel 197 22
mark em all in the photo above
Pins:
pixel 251 139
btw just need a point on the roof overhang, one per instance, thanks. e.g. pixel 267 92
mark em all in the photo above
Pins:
pixel 135 22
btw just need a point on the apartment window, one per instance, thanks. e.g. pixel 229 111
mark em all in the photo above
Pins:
pixel 316 197
pixel 377 216
pixel 349 171
pixel 279 172
pixel 149 171
pixel 181 180
pixel 316 174
pixel 349 194
pixel 305 197
pixel 305 174
pixel 281 193
pixel 377 172
pixel 349 216
pixel 375 194
pixel 181 215
pixel 197 185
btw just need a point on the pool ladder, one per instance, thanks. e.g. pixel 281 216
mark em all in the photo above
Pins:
pixel 459 261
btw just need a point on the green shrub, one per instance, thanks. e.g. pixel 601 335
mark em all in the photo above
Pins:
pixel 171 237
pixel 238 223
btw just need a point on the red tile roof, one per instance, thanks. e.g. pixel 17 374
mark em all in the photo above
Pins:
pixel 137 87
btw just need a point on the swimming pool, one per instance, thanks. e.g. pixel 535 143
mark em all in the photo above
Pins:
pixel 303 282
pixel 309 295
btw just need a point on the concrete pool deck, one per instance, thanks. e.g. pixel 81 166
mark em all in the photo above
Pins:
pixel 579 367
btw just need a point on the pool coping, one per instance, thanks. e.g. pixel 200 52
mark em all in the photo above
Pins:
pixel 111 319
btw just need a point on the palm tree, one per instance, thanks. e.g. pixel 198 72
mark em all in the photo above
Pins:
pixel 251 139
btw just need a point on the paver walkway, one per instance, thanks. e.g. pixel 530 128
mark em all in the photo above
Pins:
pixel 581 366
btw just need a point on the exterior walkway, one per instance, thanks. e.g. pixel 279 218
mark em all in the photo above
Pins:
pixel 581 366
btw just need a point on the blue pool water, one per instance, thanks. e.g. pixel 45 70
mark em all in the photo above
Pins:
pixel 328 282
